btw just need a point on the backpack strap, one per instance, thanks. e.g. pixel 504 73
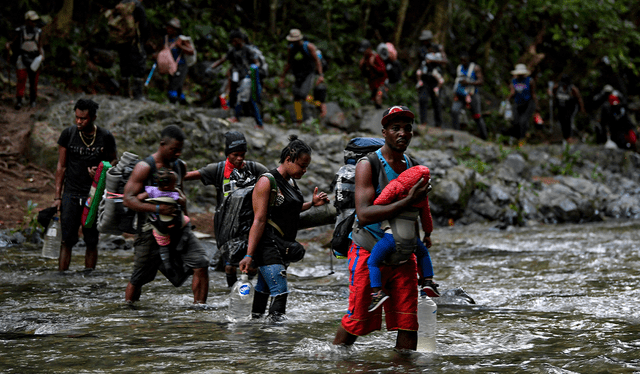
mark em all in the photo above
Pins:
pixel 219 178
pixel 74 130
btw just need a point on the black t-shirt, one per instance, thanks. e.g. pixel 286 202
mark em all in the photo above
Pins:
pixel 241 59
pixel 79 157
pixel 213 174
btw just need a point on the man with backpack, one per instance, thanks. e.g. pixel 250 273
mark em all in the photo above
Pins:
pixel 399 279
pixel 427 82
pixel 246 87
pixel 28 55
pixel 187 254
pixel 223 176
pixel 81 148
pixel 304 62
pixel 468 78
pixel 129 31
pixel 375 70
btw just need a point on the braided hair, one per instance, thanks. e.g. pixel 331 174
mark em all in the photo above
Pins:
pixel 294 149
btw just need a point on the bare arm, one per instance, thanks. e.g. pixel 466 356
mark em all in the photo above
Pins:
pixel 512 91
pixel 576 93
pixel 185 46
pixel 314 53
pixel 135 186
pixel 479 76
pixel 533 94
pixel 218 62
pixel 193 175
pixel 366 194
pixel 61 168
pixel 260 199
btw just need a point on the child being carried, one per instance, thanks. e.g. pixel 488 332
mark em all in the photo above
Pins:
pixel 164 226
pixel 400 241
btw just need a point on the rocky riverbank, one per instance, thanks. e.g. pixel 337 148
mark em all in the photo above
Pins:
pixel 474 180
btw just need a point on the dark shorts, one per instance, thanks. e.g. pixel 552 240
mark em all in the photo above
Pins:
pixel 302 86
pixel 71 219
pixel 147 257
pixel 399 282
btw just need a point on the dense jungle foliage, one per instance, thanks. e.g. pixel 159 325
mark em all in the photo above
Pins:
pixel 595 40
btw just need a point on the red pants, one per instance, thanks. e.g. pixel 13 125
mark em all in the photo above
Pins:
pixel 22 83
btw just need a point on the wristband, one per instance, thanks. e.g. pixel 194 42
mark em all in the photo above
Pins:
pixel 245 256
pixel 158 209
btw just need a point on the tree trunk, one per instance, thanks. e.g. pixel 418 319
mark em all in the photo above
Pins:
pixel 327 7
pixel 365 17
pixel 273 8
pixel 486 36
pixel 402 12
pixel 440 21
pixel 61 24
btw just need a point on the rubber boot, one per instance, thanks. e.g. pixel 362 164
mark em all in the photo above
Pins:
pixel 137 89
pixel 259 304
pixel 124 87
pixel 278 308
pixel 482 128
pixel 297 106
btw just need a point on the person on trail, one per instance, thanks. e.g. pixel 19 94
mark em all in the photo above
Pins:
pixel 432 60
pixel 246 86
pixel 179 48
pixel 187 255
pixel 275 223
pixel 468 78
pixel 399 280
pixel 374 69
pixel 164 226
pixel 81 148
pixel 614 118
pixel 219 175
pixel 523 90
pixel 399 239
pixel 27 53
pixel 304 63
pixel 568 100
pixel 132 55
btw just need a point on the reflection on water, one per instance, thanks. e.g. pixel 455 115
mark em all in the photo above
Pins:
pixel 550 299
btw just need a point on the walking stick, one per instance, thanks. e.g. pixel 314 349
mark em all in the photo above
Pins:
pixel 153 69
pixel 551 104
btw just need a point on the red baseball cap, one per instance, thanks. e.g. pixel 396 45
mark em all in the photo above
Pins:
pixel 614 100
pixel 396 111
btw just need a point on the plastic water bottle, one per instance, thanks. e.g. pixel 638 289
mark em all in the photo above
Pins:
pixel 427 317
pixel 241 300
pixel 52 239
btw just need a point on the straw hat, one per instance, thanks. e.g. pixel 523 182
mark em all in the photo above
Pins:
pixel 426 35
pixel 294 35
pixel 521 69
pixel 175 23
pixel 31 15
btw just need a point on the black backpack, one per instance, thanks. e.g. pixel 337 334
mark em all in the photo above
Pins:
pixel 340 241
pixel 234 217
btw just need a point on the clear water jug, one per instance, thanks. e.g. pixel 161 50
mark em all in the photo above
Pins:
pixel 427 317
pixel 52 239
pixel 241 300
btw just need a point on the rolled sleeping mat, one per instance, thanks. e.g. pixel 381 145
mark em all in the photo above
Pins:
pixel 96 192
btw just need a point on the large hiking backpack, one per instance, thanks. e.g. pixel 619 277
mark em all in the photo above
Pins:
pixel 113 217
pixel 233 219
pixel 344 185
pixel 264 66
pixel 121 23
pixel 389 55
pixel 323 61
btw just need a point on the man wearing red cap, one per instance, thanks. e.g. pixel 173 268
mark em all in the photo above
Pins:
pixel 400 281
pixel 615 117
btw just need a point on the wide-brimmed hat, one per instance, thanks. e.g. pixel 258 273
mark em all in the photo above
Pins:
pixel 364 45
pixel 426 35
pixel 521 69
pixel 294 35
pixel 175 23
pixel 31 16
pixel 396 111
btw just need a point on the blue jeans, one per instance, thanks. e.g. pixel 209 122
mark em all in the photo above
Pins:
pixel 272 279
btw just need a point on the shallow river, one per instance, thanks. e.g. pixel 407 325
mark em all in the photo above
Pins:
pixel 550 299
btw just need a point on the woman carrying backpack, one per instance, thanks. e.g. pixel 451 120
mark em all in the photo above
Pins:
pixel 275 223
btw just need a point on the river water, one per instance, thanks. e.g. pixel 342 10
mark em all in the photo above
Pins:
pixel 549 299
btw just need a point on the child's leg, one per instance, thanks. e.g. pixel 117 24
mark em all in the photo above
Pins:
pixel 163 241
pixel 424 260
pixel 380 251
